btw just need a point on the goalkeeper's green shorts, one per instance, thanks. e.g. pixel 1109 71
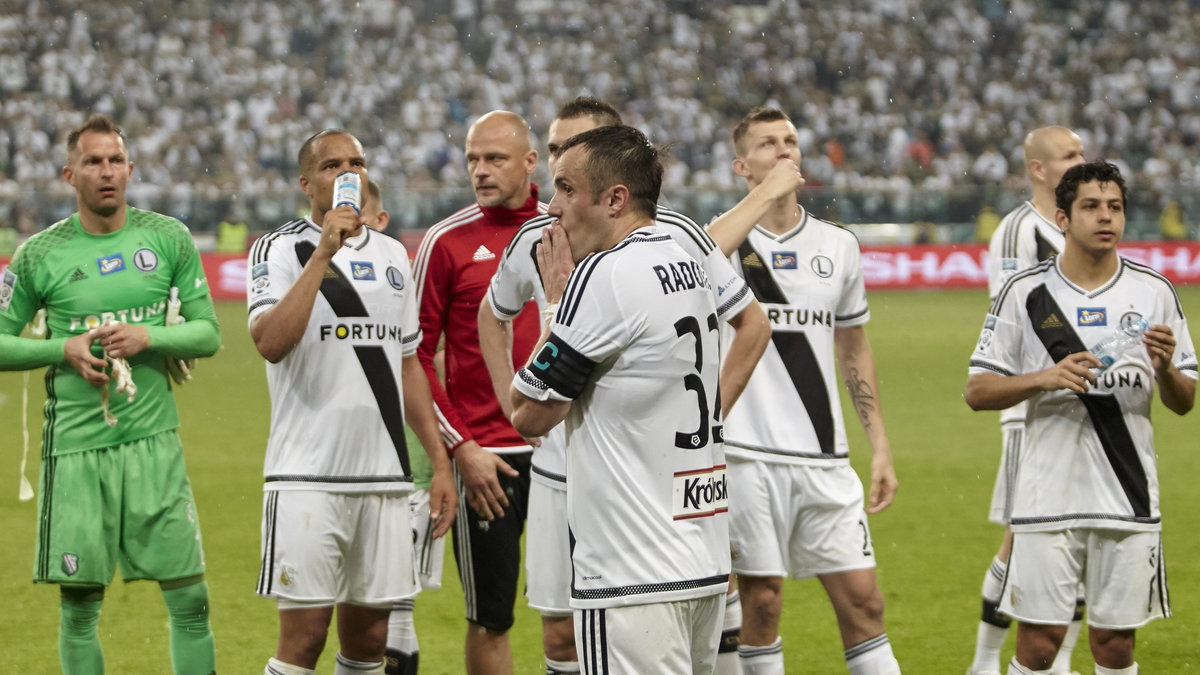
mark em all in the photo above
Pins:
pixel 130 504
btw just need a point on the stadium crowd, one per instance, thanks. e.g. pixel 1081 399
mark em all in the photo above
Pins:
pixel 896 99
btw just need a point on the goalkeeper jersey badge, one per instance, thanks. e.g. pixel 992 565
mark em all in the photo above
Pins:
pixel 70 564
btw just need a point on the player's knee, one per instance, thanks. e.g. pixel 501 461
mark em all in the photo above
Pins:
pixel 558 638
pixel 1112 648
pixel 867 606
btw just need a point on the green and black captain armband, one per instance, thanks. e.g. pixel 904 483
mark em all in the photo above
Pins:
pixel 561 368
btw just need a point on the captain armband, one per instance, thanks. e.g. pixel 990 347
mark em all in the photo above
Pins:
pixel 558 370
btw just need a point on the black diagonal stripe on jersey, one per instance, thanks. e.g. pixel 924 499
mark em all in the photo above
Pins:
pixel 1044 248
pixel 344 301
pixel 759 278
pixel 798 357
pixel 1104 411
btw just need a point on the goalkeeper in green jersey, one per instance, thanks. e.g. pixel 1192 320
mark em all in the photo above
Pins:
pixel 114 490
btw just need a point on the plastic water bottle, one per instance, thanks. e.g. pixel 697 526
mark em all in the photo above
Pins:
pixel 1120 341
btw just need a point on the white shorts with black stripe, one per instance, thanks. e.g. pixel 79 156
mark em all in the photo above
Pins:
pixel 796 520
pixel 430 553
pixel 325 548
pixel 1123 574
pixel 1006 477
pixel 548 547
pixel 665 638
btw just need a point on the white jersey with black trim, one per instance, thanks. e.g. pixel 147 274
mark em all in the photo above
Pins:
pixel 337 420
pixel 635 345
pixel 1087 459
pixel 518 280
pixel 809 281
pixel 1023 239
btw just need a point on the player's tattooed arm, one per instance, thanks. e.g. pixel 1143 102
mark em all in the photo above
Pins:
pixel 857 364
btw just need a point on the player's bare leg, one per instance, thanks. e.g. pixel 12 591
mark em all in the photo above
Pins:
pixel 858 604
pixel 558 644
pixel 362 632
pixel 761 651
pixel 488 652
pixel 302 634
pixel 1037 644
pixel 1112 649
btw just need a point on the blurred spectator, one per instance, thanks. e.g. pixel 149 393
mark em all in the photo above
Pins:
pixel 1171 223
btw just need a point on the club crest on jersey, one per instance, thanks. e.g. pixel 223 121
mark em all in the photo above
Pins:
pixel 783 260
pixel 822 266
pixel 362 271
pixel 70 564
pixel 111 264
pixel 7 285
pixel 395 277
pixel 145 260
pixel 1092 316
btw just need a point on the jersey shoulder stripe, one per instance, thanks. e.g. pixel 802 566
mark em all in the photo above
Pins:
pixel 582 274
pixel 262 247
pixel 1012 230
pixel 531 226
pixel 1139 268
pixel 674 219
pixel 1040 268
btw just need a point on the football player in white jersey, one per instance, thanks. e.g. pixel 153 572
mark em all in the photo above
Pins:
pixel 629 359
pixel 1085 502
pixel 333 311
pixel 796 505
pixel 516 282
pixel 1026 236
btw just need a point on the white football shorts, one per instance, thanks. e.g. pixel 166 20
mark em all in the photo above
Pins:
pixel 1006 477
pixel 675 638
pixel 327 548
pixel 547 548
pixel 795 520
pixel 1123 573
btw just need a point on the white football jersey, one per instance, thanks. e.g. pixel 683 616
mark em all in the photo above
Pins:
pixel 1023 239
pixel 337 421
pixel 635 345
pixel 809 281
pixel 1086 460
pixel 518 280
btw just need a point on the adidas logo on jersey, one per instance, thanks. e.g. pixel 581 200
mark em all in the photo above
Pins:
pixel 752 260
pixel 482 253
pixel 1052 321
pixel 77 275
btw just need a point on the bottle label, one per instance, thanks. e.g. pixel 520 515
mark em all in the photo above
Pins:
pixel 347 190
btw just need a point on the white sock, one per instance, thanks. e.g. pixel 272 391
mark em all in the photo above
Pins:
pixel 1131 670
pixel 345 666
pixel 1062 660
pixel 1015 668
pixel 766 660
pixel 277 667
pixel 561 667
pixel 728 662
pixel 872 657
pixel 402 631
pixel 993 627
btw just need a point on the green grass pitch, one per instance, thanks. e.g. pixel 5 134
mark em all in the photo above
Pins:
pixel 933 544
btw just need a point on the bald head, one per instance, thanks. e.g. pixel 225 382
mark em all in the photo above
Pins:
pixel 1051 143
pixel 503 123
pixel 500 159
